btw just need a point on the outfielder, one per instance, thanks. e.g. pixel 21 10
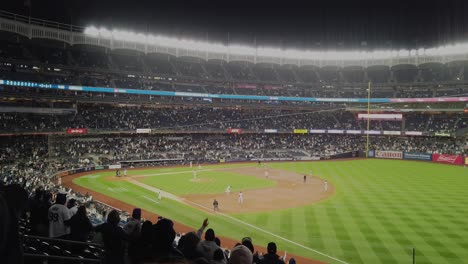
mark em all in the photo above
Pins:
pixel 159 195
pixel 241 198
pixel 199 166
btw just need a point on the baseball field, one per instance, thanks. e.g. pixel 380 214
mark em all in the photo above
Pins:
pixel 373 211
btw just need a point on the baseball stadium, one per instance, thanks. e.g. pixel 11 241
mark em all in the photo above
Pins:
pixel 121 146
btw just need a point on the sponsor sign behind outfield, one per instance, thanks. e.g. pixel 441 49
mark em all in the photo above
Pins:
pixel 417 156
pixel 371 154
pixel 234 130
pixel 450 159
pixel 300 131
pixel 76 131
pixel 143 130
pixel 466 160
pixel 388 154
pixel 318 131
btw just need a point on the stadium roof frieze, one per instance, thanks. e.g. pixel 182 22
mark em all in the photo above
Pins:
pixel 74 35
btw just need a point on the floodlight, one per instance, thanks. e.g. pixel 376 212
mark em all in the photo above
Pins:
pixel 201 46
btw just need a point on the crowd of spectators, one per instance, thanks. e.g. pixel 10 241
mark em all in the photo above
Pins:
pixel 30 163
pixel 127 241
pixel 231 78
pixel 115 118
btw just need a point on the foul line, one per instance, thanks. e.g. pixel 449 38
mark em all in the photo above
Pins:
pixel 245 223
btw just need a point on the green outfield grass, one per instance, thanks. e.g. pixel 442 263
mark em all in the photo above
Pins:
pixel 381 209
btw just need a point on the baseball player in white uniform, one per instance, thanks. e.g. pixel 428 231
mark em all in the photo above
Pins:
pixel 125 172
pixel 159 195
pixel 194 174
pixel 228 189
pixel 199 166
pixel 325 185
pixel 241 198
pixel 191 165
pixel 266 174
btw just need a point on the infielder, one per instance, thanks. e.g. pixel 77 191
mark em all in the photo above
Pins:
pixel 305 178
pixel 215 205
pixel 241 198
pixel 266 174
pixel 228 189
pixel 325 185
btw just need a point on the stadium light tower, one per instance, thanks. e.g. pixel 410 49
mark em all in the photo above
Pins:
pixel 368 117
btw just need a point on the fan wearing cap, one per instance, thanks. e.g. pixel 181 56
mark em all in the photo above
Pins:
pixel 271 257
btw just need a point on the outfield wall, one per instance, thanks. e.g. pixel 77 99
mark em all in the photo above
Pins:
pixel 436 157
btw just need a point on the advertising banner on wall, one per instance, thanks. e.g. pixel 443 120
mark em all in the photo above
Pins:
pixel 391 117
pixel 413 133
pixel 441 134
pixel 466 160
pixel 335 131
pixel 300 131
pixel 372 132
pixel 271 130
pixel 318 131
pixel 388 154
pixel 76 131
pixel 355 132
pixel 234 130
pixel 395 133
pixel 417 156
pixel 450 159
pixel 371 154
pixel 143 130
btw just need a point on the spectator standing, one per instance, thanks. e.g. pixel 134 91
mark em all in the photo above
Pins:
pixel 113 237
pixel 80 225
pixel 58 214
pixel 133 231
pixel 208 246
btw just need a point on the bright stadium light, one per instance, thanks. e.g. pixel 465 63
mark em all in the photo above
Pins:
pixel 242 50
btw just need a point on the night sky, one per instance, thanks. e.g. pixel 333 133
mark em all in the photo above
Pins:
pixel 317 25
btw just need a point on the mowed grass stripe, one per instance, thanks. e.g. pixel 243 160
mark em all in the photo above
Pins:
pixel 364 242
